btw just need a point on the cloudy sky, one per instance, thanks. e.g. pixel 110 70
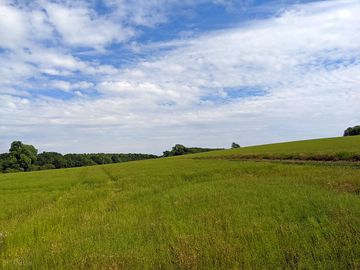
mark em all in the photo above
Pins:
pixel 142 75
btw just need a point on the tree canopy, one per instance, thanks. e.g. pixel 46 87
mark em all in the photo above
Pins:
pixel 352 131
pixel 235 145
pixel 23 157
pixel 180 149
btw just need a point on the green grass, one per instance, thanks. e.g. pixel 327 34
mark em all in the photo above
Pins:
pixel 182 213
pixel 331 149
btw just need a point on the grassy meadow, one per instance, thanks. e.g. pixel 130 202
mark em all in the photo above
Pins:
pixel 186 213
pixel 329 149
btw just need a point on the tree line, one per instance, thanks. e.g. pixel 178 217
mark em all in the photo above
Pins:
pixel 23 157
pixel 180 149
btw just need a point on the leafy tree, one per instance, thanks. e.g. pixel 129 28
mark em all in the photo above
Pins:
pixel 47 167
pixel 78 160
pixel 51 158
pixel 22 156
pixel 6 161
pixel 180 149
pixel 352 131
pixel 235 145
pixel 101 158
pixel 115 158
pixel 166 154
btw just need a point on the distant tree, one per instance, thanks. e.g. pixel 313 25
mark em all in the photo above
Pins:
pixel 101 158
pixel 7 162
pixel 352 131
pixel 115 158
pixel 79 160
pixel 48 167
pixel 166 154
pixel 179 150
pixel 51 158
pixel 22 156
pixel 235 145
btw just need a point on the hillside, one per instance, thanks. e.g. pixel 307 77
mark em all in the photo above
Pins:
pixel 185 213
pixel 340 148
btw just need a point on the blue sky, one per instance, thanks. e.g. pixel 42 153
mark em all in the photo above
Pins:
pixel 142 75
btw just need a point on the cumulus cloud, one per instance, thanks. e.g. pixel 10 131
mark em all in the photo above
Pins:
pixel 83 27
pixel 273 54
pixel 293 76
pixel 12 26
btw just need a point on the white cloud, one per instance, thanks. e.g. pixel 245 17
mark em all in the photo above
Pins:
pixel 270 54
pixel 68 87
pixel 81 26
pixel 307 61
pixel 150 13
pixel 12 26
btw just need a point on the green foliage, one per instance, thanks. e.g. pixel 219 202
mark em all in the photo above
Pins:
pixel 180 149
pixel 235 145
pixel 56 160
pixel 182 214
pixel 166 154
pixel 352 131
pixel 22 157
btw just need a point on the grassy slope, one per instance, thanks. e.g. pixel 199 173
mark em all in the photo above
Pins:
pixel 341 147
pixel 182 214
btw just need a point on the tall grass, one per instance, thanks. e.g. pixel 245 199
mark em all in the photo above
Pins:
pixel 182 214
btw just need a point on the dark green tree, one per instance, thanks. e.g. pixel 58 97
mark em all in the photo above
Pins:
pixel 101 158
pixel 179 150
pixel 352 131
pixel 166 154
pixel 235 145
pixel 22 156
pixel 56 160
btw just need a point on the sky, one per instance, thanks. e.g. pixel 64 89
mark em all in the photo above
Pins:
pixel 82 76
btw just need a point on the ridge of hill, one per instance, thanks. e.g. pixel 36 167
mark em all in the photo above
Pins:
pixel 327 149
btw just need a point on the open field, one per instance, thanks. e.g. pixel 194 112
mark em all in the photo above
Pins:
pixel 329 149
pixel 184 213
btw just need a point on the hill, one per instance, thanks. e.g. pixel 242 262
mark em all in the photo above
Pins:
pixel 186 213
pixel 328 149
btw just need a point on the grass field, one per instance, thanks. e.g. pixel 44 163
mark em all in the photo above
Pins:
pixel 329 149
pixel 184 213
